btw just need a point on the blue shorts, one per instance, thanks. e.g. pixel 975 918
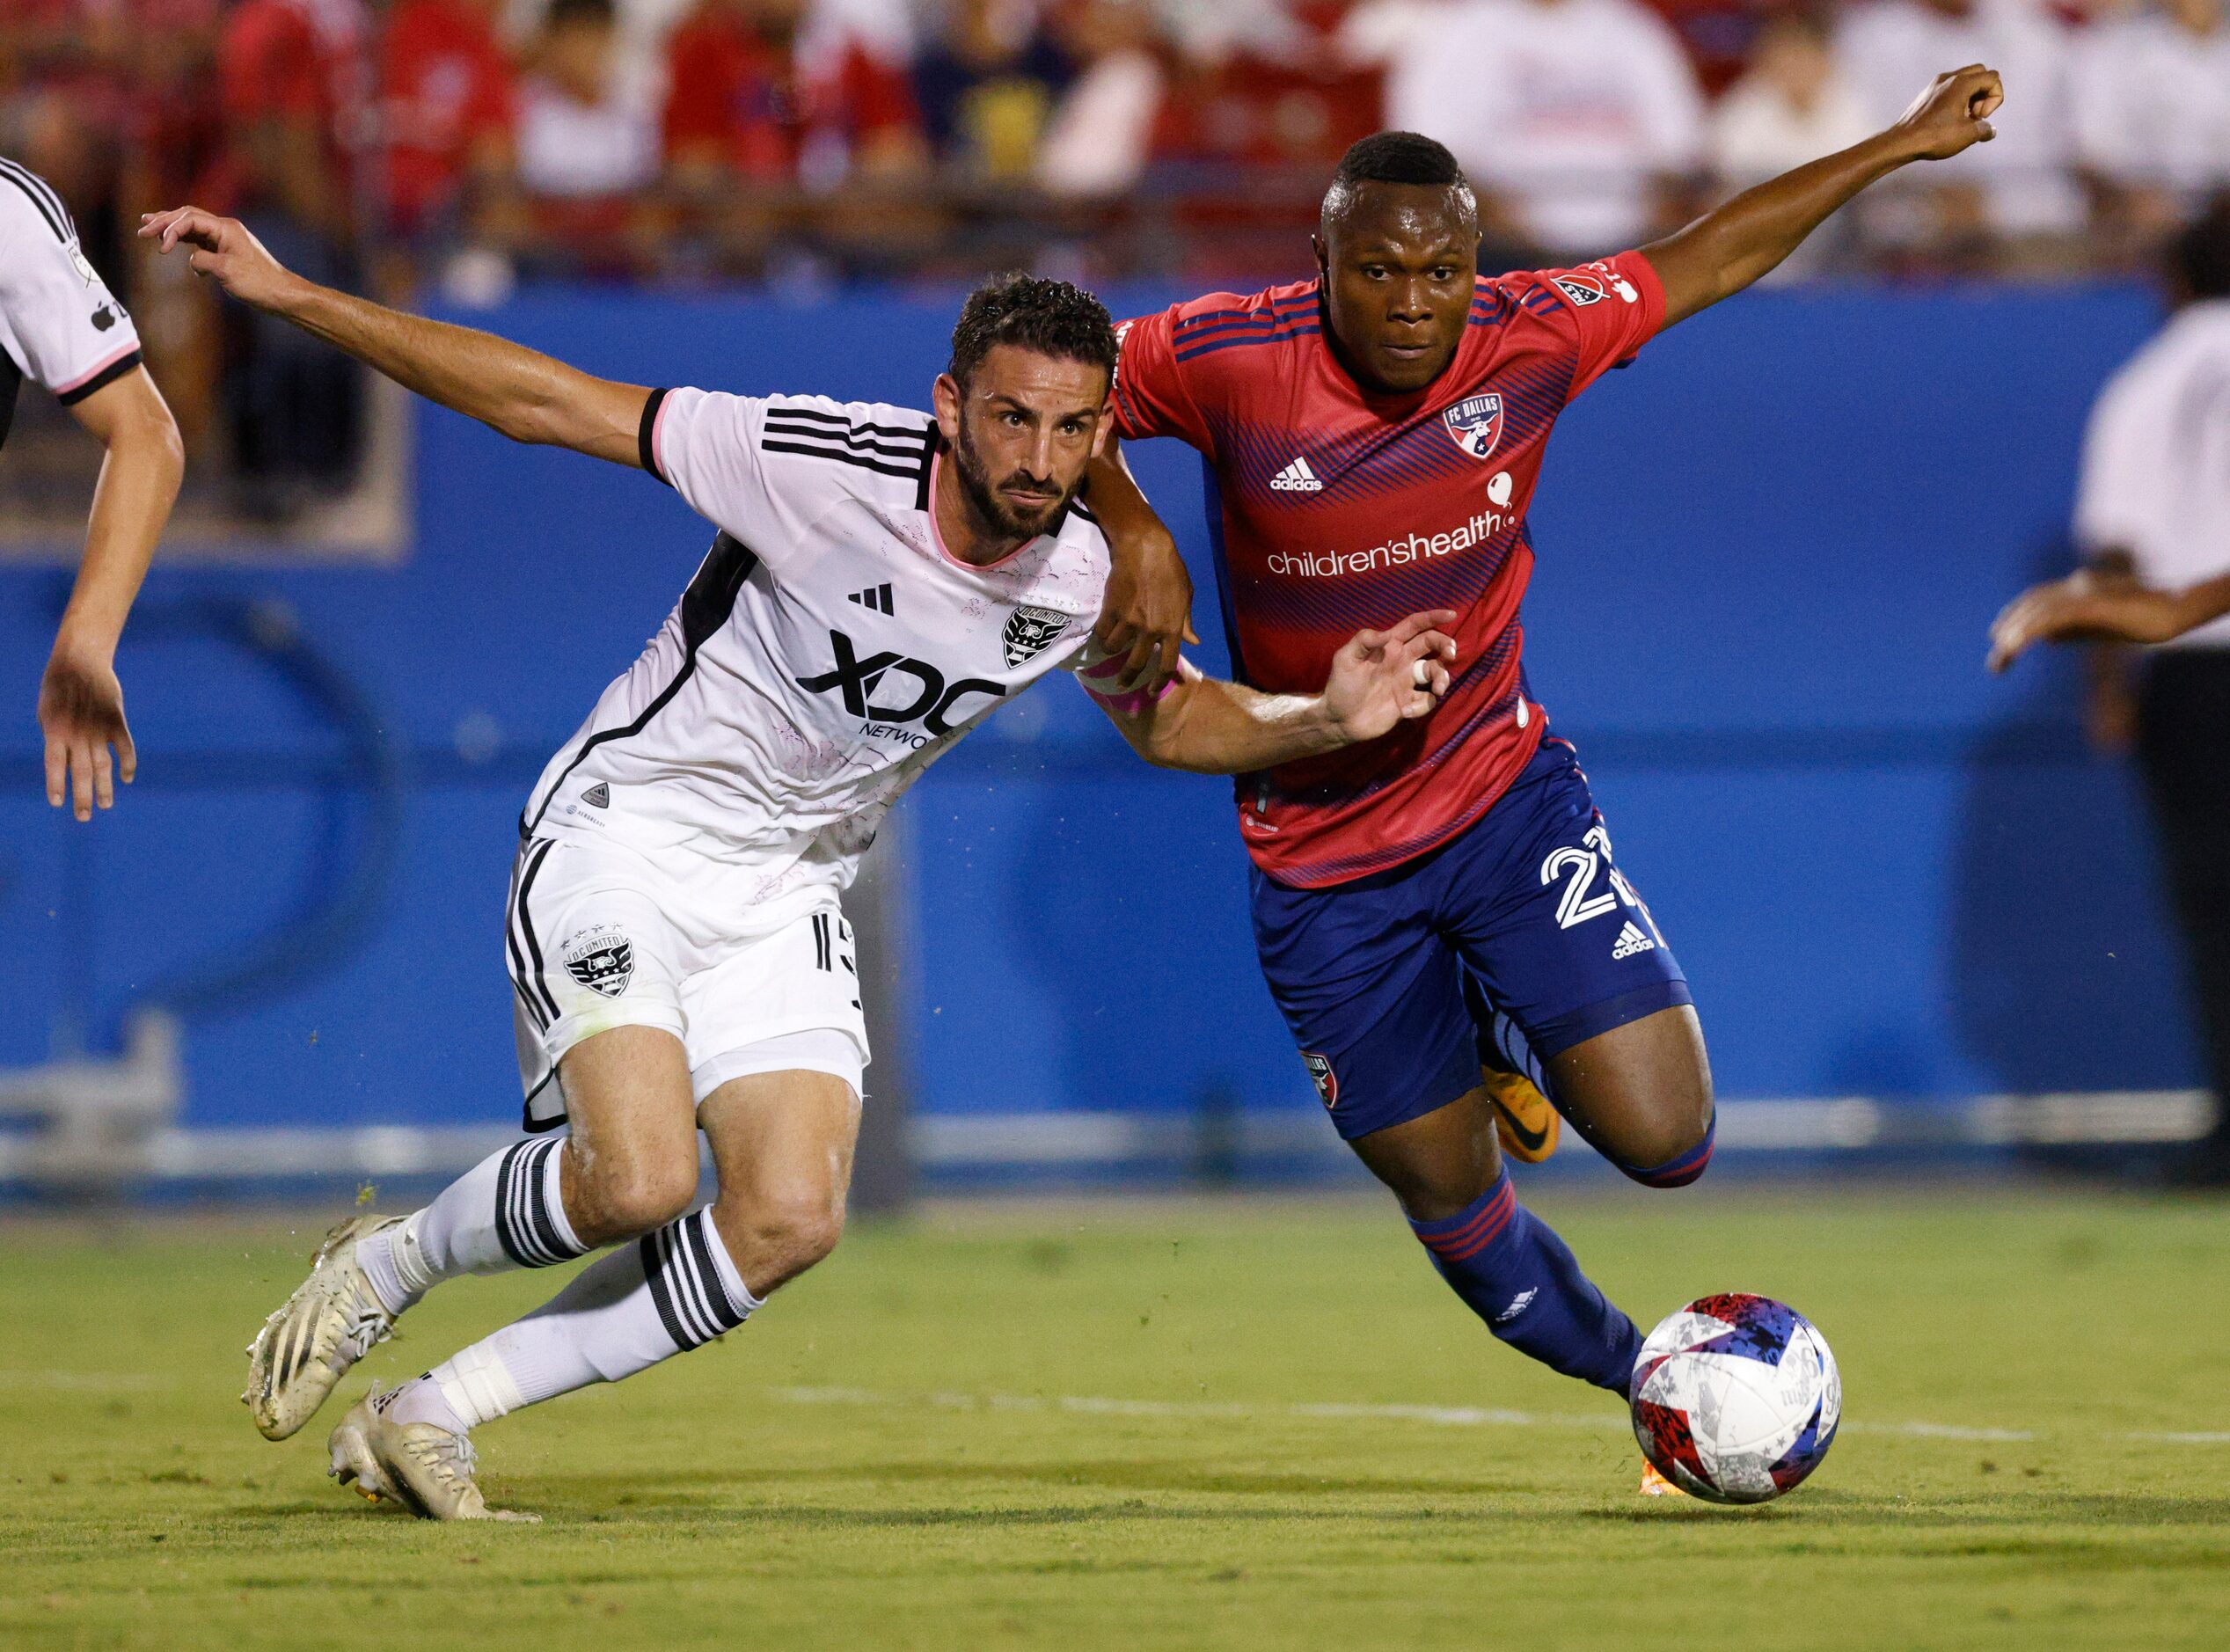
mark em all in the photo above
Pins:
pixel 1388 983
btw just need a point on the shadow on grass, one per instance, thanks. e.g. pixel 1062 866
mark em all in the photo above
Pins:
pixel 1843 1509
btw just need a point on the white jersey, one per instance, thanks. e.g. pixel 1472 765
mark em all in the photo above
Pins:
pixel 827 651
pixel 60 326
pixel 2156 461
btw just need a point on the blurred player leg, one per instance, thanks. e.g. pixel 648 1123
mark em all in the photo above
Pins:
pixel 1508 1265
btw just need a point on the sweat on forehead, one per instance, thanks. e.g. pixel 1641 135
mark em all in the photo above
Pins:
pixel 1446 213
pixel 1406 165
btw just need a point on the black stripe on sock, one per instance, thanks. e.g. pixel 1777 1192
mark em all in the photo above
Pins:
pixel 507 1234
pixel 700 1244
pixel 690 1295
pixel 545 1223
pixel 655 1276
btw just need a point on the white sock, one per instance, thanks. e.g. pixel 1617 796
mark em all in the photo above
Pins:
pixel 674 1290
pixel 505 1212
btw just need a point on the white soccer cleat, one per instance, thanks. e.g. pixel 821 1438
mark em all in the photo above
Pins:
pixel 332 1320
pixel 426 1469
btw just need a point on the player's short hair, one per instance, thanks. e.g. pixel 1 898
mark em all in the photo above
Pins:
pixel 2200 253
pixel 1056 318
pixel 1395 158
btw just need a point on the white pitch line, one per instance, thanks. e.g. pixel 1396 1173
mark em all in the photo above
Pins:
pixel 1440 1416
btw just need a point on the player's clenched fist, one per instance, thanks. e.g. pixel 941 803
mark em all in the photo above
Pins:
pixel 1383 678
pixel 222 248
pixel 1953 112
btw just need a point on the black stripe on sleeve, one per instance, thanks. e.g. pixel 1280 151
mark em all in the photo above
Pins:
pixel 27 181
pixel 101 380
pixel 903 471
pixel 645 450
pixel 785 410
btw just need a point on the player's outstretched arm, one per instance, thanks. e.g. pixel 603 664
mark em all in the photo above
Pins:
pixel 1146 615
pixel 522 393
pixel 1378 679
pixel 2083 606
pixel 81 703
pixel 1726 250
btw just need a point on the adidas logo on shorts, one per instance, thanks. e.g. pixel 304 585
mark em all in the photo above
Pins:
pixel 1632 940
pixel 1295 478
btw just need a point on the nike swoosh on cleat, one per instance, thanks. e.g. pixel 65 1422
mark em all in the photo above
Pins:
pixel 1532 1141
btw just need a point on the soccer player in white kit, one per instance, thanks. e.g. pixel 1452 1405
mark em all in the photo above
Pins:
pixel 882 580
pixel 61 327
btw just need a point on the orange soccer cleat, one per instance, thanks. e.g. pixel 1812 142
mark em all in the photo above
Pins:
pixel 1524 1119
pixel 1655 1485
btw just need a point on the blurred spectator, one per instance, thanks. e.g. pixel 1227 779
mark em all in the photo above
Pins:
pixel 1720 36
pixel 2150 98
pixel 2154 503
pixel 987 81
pixel 294 77
pixel 1792 105
pixel 1575 118
pixel 446 116
pixel 743 107
pixel 1101 133
pixel 588 147
pixel 2015 186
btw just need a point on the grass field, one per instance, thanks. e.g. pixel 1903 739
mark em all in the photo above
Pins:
pixel 1166 1425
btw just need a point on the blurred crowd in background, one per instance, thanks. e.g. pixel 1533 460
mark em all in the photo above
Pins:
pixel 458 146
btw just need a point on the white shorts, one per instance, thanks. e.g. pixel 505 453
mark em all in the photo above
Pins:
pixel 602 935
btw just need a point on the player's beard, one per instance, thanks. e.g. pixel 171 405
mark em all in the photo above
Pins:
pixel 991 508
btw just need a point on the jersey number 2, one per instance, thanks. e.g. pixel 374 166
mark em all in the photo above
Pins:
pixel 1577 906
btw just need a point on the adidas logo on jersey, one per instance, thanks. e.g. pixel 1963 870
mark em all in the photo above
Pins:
pixel 1632 940
pixel 1295 478
pixel 875 596
pixel 597 796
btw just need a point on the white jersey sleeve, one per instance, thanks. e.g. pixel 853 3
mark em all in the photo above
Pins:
pixel 705 445
pixel 2118 497
pixel 59 323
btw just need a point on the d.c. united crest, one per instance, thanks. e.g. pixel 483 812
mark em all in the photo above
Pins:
pixel 1476 426
pixel 602 959
pixel 1030 632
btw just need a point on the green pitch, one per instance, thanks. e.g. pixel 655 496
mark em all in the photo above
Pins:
pixel 1166 1425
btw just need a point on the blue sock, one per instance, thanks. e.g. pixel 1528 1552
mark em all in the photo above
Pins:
pixel 1513 1272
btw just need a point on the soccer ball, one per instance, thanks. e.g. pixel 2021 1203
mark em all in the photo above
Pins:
pixel 1736 1398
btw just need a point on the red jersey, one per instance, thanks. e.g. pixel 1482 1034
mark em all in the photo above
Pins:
pixel 445 87
pixel 1333 509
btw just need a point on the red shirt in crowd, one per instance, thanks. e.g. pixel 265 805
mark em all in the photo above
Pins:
pixel 292 59
pixel 445 88
pixel 1332 508
pixel 735 95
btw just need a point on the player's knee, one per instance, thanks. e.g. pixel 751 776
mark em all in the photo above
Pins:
pixel 634 1199
pixel 1672 1147
pixel 787 1234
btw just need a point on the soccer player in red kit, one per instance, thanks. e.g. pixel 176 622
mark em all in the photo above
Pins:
pixel 1445 902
